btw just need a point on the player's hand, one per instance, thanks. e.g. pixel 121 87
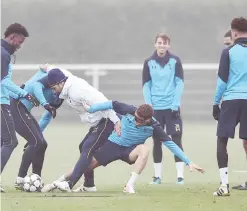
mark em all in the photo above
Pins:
pixel 51 109
pixel 175 114
pixel 87 107
pixel 216 112
pixel 193 167
pixel 117 128
pixel 44 67
pixel 32 99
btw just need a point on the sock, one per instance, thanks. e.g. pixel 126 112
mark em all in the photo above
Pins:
pixel 157 169
pixel 132 179
pixel 61 179
pixel 180 169
pixel 224 175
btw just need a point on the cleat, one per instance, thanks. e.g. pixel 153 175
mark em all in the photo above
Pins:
pixel 180 181
pixel 156 181
pixel 85 189
pixel 19 183
pixel 48 188
pixel 129 189
pixel 63 186
pixel 240 187
pixel 222 191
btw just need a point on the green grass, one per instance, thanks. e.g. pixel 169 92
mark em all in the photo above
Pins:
pixel 62 153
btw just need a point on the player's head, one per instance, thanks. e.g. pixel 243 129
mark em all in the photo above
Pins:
pixel 239 28
pixel 162 44
pixel 15 35
pixel 144 114
pixel 56 80
pixel 228 38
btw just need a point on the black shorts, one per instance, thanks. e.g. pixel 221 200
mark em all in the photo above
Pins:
pixel 232 112
pixel 172 126
pixel 110 152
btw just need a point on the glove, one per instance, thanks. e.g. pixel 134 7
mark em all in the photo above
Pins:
pixel 51 109
pixel 216 112
pixel 22 86
pixel 175 114
pixel 32 99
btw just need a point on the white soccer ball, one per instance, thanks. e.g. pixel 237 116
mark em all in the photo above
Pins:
pixel 33 183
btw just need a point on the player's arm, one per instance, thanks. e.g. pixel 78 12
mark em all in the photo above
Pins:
pixel 223 74
pixel 160 135
pixel 45 120
pixel 146 84
pixel 38 90
pixel 118 107
pixel 179 82
pixel 6 80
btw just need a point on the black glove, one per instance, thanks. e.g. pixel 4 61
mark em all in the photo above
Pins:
pixel 51 109
pixel 216 112
pixel 22 86
pixel 175 114
pixel 32 99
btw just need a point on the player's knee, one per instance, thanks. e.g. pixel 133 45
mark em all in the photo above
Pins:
pixel 143 151
pixel 42 145
pixel 11 145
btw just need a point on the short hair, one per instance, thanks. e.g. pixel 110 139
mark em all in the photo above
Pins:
pixel 145 111
pixel 163 36
pixel 228 34
pixel 16 28
pixel 239 24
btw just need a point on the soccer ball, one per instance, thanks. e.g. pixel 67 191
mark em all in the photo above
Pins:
pixel 33 183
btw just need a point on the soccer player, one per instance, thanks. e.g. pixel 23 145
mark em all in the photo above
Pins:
pixel 228 41
pixel 228 38
pixel 27 126
pixel 232 90
pixel 14 35
pixel 38 86
pixel 77 92
pixel 163 84
pixel 137 125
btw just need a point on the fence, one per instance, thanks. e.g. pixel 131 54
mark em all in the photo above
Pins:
pixel 123 82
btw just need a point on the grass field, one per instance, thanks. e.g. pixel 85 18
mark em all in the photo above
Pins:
pixel 196 194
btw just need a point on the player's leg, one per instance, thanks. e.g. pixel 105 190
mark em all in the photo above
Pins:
pixel 104 155
pixel 228 119
pixel 243 133
pixel 138 156
pixel 27 127
pixel 88 176
pixel 8 136
pixel 174 127
pixel 157 150
pixel 98 136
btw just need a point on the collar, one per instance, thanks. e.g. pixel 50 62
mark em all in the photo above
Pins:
pixel 67 85
pixel 7 46
pixel 241 40
pixel 161 60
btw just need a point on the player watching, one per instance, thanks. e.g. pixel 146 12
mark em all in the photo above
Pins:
pixel 232 90
pixel 163 84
